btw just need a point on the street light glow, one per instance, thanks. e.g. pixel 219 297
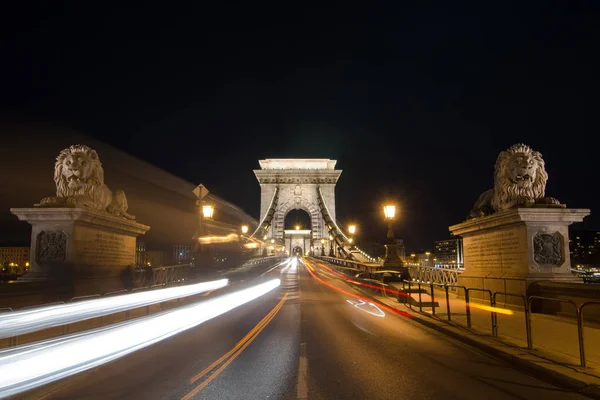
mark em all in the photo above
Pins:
pixel 244 229
pixel 352 229
pixel 207 211
pixel 389 211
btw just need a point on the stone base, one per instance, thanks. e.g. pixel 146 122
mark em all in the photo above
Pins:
pixel 393 262
pixel 80 248
pixel 509 250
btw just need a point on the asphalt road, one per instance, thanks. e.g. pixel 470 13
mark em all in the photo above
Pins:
pixel 310 342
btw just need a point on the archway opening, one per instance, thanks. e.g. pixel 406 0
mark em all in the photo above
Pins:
pixel 297 219
pixel 297 251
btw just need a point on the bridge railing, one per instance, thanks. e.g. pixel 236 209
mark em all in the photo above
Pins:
pixel 444 276
pixel 162 276
pixel 468 303
pixel 350 263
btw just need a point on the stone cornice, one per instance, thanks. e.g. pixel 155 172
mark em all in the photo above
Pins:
pixel 297 176
pixel 524 214
pixel 81 215
pixel 297 163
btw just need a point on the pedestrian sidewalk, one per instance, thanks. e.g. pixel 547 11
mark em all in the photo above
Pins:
pixel 555 356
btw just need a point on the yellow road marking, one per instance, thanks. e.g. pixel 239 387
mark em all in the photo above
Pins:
pixel 234 352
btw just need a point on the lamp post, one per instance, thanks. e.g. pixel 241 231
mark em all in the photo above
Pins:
pixel 207 211
pixel 207 251
pixel 352 231
pixel 331 246
pixel 392 261
pixel 322 247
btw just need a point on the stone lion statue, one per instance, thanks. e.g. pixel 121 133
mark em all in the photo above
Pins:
pixel 79 179
pixel 519 180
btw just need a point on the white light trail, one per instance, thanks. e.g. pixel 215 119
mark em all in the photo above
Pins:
pixel 30 366
pixel 22 322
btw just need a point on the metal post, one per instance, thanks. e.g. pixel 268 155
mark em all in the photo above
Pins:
pixel 580 336
pixel 494 325
pixel 420 302
pixel 432 301
pixel 448 303
pixel 409 295
pixel 528 325
pixel 468 307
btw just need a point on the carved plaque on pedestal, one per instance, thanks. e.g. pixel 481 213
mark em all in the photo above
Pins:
pixel 51 247
pixel 547 249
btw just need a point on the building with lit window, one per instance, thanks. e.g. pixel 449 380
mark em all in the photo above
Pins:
pixel 584 247
pixel 14 260
pixel 182 254
pixel 448 253
pixel 141 258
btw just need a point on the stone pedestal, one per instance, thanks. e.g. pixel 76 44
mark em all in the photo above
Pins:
pixel 510 249
pixel 393 262
pixel 88 250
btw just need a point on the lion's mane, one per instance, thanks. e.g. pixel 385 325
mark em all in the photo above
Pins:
pixel 506 191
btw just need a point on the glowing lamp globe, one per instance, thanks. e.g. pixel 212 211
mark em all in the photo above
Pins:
pixel 207 211
pixel 389 211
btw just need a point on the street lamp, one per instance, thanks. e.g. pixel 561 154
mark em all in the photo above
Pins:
pixel 272 241
pixel 352 229
pixel 322 247
pixel 390 214
pixel 392 261
pixel 207 211
pixel 331 246
pixel 297 227
pixel 244 229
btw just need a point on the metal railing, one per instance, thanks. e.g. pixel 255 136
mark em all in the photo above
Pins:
pixel 527 302
pixel 153 276
pixel 445 276
pixel 526 309
pixel 580 329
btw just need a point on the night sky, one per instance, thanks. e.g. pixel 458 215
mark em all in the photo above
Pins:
pixel 414 103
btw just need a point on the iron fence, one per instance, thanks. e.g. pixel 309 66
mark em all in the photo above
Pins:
pixel 161 276
pixel 527 302
pixel 445 276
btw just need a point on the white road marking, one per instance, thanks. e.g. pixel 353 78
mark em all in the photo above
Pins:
pixel 303 374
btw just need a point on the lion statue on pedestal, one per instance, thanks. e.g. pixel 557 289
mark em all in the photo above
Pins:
pixel 519 180
pixel 79 179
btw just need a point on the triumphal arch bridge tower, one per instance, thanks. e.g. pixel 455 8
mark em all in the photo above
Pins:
pixel 300 184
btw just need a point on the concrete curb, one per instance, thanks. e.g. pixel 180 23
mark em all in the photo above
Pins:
pixel 532 368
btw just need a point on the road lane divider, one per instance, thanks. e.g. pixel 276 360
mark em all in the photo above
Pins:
pixel 232 354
